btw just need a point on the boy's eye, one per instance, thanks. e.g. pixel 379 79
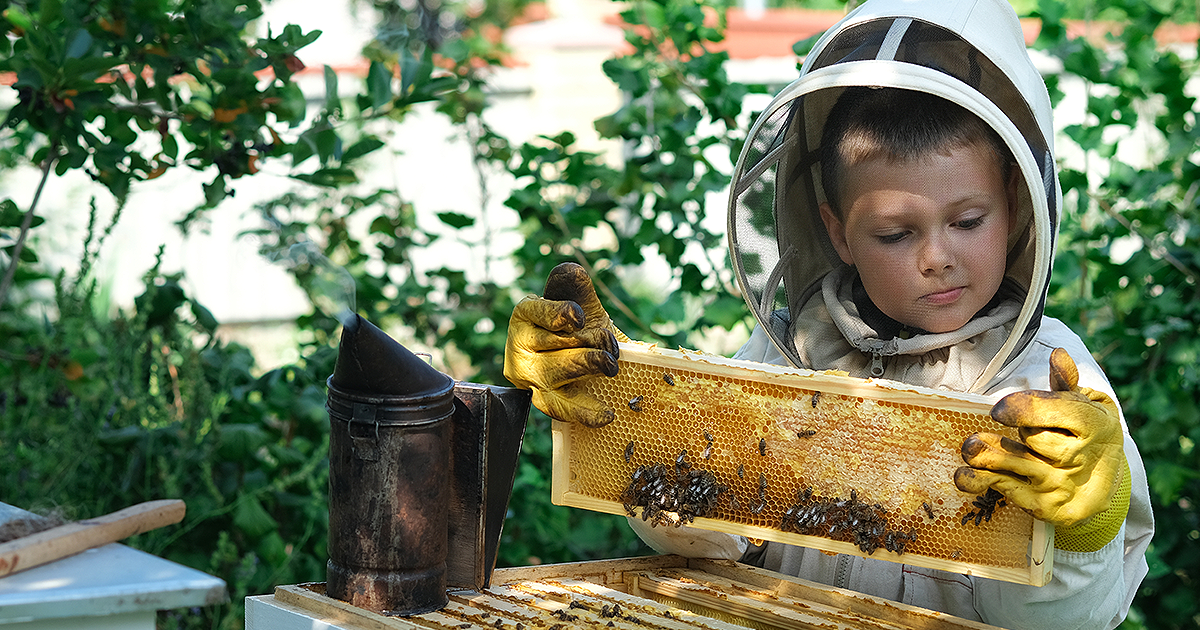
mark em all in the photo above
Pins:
pixel 972 223
pixel 892 238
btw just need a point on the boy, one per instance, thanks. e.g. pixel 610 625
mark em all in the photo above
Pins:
pixel 892 216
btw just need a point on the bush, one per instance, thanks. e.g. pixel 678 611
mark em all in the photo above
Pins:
pixel 101 411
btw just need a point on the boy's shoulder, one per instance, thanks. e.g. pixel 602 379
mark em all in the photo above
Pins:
pixel 1033 369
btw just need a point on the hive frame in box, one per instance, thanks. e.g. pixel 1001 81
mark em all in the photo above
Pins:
pixel 660 592
pixel 670 387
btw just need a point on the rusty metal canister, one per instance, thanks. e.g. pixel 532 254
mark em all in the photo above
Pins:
pixel 389 475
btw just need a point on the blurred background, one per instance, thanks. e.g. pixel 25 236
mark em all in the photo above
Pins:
pixel 193 191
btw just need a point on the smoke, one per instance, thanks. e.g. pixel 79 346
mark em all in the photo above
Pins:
pixel 330 287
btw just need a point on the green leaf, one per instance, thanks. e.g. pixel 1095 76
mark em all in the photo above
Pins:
pixel 27 253
pixel 292 106
pixel 726 311
pixel 251 518
pixel 361 148
pixel 456 220
pixel 18 18
pixel 1167 480
pixel 272 549
pixel 78 44
pixel 204 317
pixel 328 144
pixel 11 215
pixel 379 84
pixel 803 47
pixel 240 442
pixel 329 177
pixel 214 192
pixel 410 72
pixel 333 102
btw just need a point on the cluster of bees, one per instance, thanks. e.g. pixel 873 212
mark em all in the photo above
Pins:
pixel 985 504
pixel 850 520
pixel 672 495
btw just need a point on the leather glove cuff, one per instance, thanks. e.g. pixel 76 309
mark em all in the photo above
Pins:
pixel 1092 534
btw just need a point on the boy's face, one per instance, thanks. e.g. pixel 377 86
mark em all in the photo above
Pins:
pixel 928 236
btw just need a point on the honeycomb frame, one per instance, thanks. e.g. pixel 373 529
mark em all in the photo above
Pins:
pixel 890 443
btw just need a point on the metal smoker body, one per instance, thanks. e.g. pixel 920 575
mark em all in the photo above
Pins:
pixel 420 473
pixel 389 475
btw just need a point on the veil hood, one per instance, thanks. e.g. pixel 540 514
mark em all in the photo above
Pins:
pixel 971 52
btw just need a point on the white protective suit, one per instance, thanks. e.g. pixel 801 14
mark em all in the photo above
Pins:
pixel 973 53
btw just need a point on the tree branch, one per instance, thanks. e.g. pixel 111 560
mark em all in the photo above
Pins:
pixel 25 225
pixel 1155 249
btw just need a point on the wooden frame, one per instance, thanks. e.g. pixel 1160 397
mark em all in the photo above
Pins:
pixel 667 592
pixel 1039 539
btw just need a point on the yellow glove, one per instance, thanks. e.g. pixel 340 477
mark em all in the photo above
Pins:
pixel 558 340
pixel 1069 468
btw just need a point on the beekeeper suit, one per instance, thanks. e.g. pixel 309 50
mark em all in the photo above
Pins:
pixel 970 52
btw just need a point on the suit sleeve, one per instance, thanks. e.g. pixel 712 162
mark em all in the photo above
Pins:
pixel 1088 590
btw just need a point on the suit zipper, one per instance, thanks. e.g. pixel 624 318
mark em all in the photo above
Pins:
pixel 876 365
pixel 841 576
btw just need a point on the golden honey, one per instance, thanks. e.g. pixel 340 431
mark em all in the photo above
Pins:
pixel 795 431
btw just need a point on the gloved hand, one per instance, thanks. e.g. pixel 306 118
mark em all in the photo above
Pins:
pixel 558 340
pixel 1069 468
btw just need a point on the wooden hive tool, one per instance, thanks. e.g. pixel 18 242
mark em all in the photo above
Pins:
pixel 69 539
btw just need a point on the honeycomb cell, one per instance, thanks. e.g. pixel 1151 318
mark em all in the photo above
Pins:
pixel 898 456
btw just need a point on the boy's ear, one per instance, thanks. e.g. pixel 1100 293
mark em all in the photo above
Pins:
pixel 837 233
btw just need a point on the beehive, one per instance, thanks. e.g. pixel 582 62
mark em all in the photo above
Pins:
pixel 787 430
pixel 648 593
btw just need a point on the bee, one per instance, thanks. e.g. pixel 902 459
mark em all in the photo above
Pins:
pixel 816 397
pixel 635 403
pixel 986 504
pixel 707 451
pixel 955 554
pixel 762 446
pixel 629 451
pixel 733 502
pixel 741 471
pixel 758 507
pixel 670 380
pixel 928 509
pixel 679 461
pixel 806 433
pixel 575 604
pixel 707 436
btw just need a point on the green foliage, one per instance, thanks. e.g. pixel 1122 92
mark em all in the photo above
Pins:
pixel 93 77
pixel 1127 268
pixel 682 131
pixel 98 412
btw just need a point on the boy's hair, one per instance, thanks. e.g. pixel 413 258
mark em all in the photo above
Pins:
pixel 899 125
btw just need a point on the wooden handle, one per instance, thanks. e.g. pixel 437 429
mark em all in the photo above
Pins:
pixel 65 540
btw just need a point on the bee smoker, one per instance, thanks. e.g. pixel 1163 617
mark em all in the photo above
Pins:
pixel 420 473
pixel 389 475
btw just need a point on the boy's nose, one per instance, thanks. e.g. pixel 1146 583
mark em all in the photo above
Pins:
pixel 936 257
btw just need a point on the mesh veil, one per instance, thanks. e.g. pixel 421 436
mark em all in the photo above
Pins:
pixel 778 243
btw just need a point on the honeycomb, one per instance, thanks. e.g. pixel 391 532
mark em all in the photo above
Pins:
pixel 770 436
